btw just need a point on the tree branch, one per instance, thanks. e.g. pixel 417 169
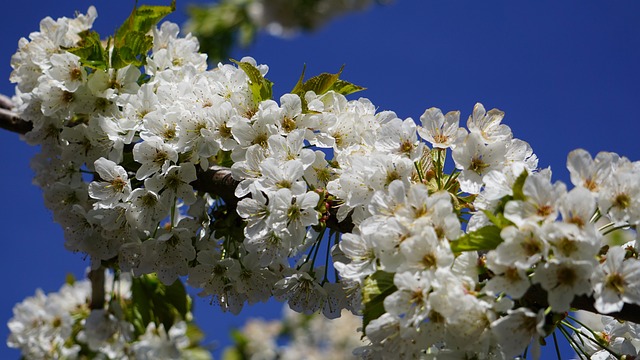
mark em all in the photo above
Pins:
pixel 9 120
pixel 5 102
pixel 217 180
pixel 630 312
pixel 536 298
pixel 97 288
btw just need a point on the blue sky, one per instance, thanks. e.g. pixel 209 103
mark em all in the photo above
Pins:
pixel 565 72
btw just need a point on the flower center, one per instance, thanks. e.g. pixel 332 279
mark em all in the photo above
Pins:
pixel 615 282
pixel 478 165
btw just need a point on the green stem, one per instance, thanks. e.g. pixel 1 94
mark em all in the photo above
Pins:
pixel 609 231
pixel 326 258
pixel 415 164
pixel 315 246
pixel 581 324
pixel 604 227
pixel 315 254
pixel 451 177
pixel 576 347
pixel 596 216
pixel 173 211
pixel 577 331
pixel 555 343
pixel 336 241
pixel 439 168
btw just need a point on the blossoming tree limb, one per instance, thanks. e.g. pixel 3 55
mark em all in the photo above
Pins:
pixel 157 167
pixel 218 181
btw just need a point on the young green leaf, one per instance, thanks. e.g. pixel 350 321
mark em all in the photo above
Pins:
pixel 261 88
pixel 176 296
pixel 323 83
pixel 70 279
pixel 377 287
pixel 133 50
pixel 319 84
pixel 143 18
pixel 345 87
pixel 91 51
pixel 142 307
pixel 486 238
pixel 298 88
pixel 194 333
pixel 197 353
pixel 223 158
pixel 518 186
pixel 233 354
pixel 498 218
pixel 131 43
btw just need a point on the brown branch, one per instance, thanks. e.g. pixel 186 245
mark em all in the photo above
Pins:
pixel 536 298
pixel 217 180
pixel 97 288
pixel 5 102
pixel 630 312
pixel 9 120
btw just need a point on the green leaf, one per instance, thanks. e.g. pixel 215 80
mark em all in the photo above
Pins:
pixel 239 338
pixel 194 333
pixel 232 353
pixel 518 186
pixel 319 84
pixel 239 350
pixel 133 50
pixel 177 297
pixel 223 158
pixel 197 354
pixel 142 307
pixel 345 87
pixel 70 279
pixel 143 18
pixel 298 89
pixel 90 50
pixel 377 287
pixel 498 219
pixel 155 302
pixel 132 43
pixel 219 26
pixel 166 300
pixel 486 238
pixel 323 83
pixel 261 88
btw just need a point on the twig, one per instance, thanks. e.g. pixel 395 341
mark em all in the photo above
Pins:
pixel 97 288
pixel 10 121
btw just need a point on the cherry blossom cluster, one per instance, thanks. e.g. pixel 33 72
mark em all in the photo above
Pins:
pixel 441 259
pixel 62 325
pixel 455 303
pixel 121 147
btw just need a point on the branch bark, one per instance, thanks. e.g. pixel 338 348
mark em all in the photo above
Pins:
pixel 97 288
pixel 9 120
pixel 217 180
pixel 536 297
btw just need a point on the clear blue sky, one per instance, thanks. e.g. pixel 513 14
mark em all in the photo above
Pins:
pixel 565 72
